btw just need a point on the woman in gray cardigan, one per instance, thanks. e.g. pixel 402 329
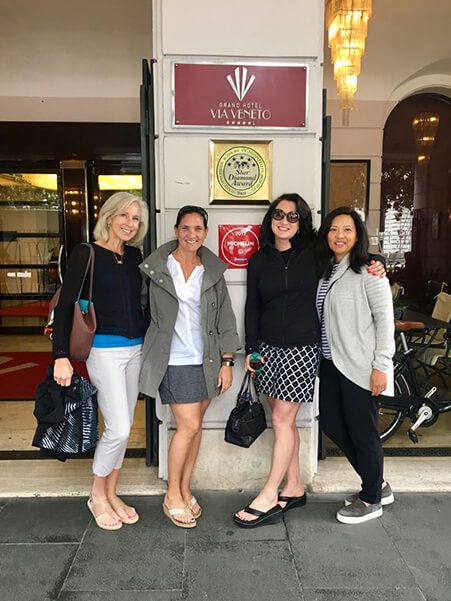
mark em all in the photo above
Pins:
pixel 357 340
pixel 188 349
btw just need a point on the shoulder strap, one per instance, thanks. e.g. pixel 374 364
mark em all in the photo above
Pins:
pixel 89 265
pixel 60 260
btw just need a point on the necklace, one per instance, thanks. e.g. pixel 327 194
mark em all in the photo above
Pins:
pixel 119 258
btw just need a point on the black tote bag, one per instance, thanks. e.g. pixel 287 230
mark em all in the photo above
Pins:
pixel 247 419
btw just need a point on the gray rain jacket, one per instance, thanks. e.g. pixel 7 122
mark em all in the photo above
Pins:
pixel 218 319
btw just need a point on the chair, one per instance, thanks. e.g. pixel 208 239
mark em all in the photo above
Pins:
pixel 397 293
pixel 441 342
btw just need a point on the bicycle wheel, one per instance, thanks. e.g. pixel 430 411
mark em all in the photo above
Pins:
pixel 390 419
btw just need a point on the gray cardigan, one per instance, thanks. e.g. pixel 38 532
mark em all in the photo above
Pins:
pixel 359 323
pixel 218 319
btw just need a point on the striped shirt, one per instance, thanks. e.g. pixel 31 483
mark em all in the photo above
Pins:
pixel 320 298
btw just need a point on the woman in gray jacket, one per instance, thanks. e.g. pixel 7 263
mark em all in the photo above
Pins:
pixel 188 349
pixel 357 340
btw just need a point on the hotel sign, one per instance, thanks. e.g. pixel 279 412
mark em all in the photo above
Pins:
pixel 251 95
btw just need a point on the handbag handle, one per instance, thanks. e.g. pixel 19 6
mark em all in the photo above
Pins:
pixel 89 265
pixel 246 387
pixel 245 383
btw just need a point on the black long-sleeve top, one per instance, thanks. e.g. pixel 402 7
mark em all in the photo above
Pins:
pixel 280 304
pixel 116 295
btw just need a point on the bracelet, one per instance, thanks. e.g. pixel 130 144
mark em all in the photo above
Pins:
pixel 227 361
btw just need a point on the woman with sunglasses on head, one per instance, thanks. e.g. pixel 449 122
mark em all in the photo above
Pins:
pixel 282 325
pixel 188 349
pixel 356 363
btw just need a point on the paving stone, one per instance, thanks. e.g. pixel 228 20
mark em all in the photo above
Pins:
pixel 121 596
pixel 333 555
pixel 408 594
pixel 420 528
pixel 238 571
pixel 44 520
pixel 402 557
pixel 139 557
pixel 34 572
pixel 216 522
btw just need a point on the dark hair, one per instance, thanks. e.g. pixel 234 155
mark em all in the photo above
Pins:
pixel 306 234
pixel 191 209
pixel 358 257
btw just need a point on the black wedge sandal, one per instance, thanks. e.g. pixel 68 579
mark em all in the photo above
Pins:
pixel 263 518
pixel 292 502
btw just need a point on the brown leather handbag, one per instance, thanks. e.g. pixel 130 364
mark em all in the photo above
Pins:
pixel 84 323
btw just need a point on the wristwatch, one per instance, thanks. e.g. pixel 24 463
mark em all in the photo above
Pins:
pixel 227 361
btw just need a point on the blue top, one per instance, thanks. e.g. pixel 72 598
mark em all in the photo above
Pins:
pixel 114 341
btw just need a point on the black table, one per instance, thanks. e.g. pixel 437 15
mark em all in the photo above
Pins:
pixel 430 323
pixel 431 327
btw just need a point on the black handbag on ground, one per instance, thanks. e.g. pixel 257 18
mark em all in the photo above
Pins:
pixel 247 420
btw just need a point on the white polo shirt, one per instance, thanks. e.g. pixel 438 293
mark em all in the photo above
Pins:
pixel 187 346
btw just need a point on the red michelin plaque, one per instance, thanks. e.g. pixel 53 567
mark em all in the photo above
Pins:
pixel 237 243
pixel 239 95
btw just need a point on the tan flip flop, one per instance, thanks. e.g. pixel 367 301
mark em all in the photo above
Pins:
pixel 126 509
pixel 171 513
pixel 190 504
pixel 98 509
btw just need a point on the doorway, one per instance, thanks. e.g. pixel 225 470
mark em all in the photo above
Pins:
pixel 53 179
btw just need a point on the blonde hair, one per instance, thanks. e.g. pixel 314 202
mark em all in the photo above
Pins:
pixel 113 206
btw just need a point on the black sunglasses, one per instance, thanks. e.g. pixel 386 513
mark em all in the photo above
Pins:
pixel 292 216
pixel 192 209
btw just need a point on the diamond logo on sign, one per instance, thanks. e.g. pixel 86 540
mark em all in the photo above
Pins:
pixel 241 85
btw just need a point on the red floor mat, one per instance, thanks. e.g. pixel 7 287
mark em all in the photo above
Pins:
pixel 36 309
pixel 20 373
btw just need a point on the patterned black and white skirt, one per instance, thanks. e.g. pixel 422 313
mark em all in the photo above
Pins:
pixel 288 374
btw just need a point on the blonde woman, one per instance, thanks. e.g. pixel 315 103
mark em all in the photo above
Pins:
pixel 115 358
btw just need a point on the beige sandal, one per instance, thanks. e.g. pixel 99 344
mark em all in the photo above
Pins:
pixel 190 504
pixel 99 508
pixel 127 509
pixel 171 513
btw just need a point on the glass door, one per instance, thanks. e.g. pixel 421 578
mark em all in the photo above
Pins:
pixel 109 177
pixel 30 237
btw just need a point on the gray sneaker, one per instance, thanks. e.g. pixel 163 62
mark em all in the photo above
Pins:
pixel 358 512
pixel 387 497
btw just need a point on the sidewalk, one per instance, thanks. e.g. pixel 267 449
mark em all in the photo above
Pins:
pixel 51 549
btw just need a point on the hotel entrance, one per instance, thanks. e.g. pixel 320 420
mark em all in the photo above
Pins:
pixel 49 204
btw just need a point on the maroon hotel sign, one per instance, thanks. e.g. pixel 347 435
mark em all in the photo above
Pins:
pixel 239 95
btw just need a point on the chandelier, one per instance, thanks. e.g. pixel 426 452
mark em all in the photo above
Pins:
pixel 424 127
pixel 347 25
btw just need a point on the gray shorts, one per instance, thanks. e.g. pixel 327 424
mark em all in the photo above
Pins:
pixel 183 384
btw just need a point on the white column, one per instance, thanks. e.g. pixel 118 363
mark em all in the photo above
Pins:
pixel 254 31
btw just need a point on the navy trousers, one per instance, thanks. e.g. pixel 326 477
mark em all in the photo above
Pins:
pixel 348 416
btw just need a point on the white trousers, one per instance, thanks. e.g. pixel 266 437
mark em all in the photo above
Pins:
pixel 115 374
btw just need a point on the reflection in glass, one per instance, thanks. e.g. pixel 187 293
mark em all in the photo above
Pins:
pixel 397 210
pixel 416 198
pixel 109 184
pixel 349 185
pixel 30 206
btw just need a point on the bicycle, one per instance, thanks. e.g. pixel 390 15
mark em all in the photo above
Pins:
pixel 409 401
